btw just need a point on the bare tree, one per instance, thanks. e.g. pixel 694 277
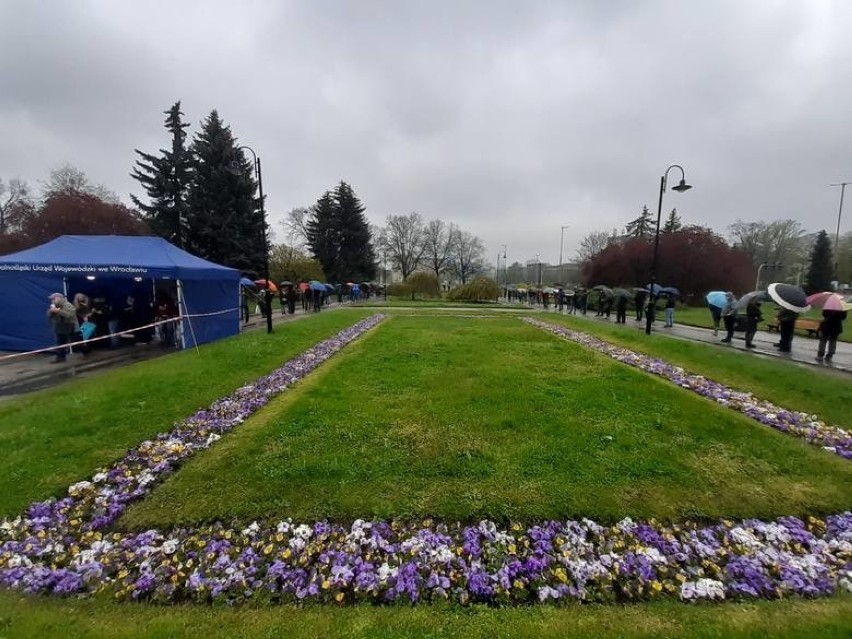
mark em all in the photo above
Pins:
pixel 438 238
pixel 69 180
pixel 468 256
pixel 776 242
pixel 593 244
pixel 402 239
pixel 295 225
pixel 13 196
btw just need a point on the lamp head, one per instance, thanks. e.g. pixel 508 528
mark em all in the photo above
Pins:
pixel 234 168
pixel 683 186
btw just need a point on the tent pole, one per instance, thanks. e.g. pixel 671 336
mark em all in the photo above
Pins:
pixel 185 313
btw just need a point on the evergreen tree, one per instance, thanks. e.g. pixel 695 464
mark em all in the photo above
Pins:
pixel 166 179
pixel 225 223
pixel 339 236
pixel 673 223
pixel 821 269
pixel 642 226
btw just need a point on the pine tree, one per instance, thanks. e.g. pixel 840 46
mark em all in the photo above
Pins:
pixel 673 223
pixel 225 223
pixel 642 226
pixel 166 179
pixel 821 269
pixel 339 236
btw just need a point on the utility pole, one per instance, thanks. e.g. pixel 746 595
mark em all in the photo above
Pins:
pixel 842 186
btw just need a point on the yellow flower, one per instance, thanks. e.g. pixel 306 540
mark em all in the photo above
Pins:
pixel 326 584
pixel 339 597
pixel 518 584
pixel 656 585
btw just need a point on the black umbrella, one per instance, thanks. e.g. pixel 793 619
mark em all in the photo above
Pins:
pixel 285 283
pixel 669 290
pixel 620 292
pixel 790 297
pixel 605 290
pixel 745 299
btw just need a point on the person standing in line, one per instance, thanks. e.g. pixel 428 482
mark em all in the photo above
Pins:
pixel 729 316
pixel 244 304
pixel 830 329
pixel 639 300
pixel 670 307
pixel 754 317
pixel 716 315
pixel 291 299
pixel 63 320
pixel 607 305
pixel 786 327
pixel 621 310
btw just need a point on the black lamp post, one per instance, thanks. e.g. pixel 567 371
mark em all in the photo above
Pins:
pixel 681 187
pixel 267 294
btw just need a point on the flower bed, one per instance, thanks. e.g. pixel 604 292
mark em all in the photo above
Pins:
pixel 63 547
pixel 808 427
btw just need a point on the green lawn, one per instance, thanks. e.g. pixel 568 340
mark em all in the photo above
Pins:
pixel 56 437
pixel 463 419
pixel 788 384
pixel 93 619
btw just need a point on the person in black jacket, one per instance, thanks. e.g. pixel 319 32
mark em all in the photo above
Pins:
pixel 754 317
pixel 786 326
pixel 830 329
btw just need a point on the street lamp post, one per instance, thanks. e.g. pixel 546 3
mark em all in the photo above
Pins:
pixel 561 244
pixel 842 186
pixel 680 188
pixel 267 295
pixel 763 265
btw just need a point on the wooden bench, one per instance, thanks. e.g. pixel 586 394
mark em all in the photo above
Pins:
pixel 806 324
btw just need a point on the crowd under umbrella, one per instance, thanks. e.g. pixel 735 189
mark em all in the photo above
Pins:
pixel 717 298
pixel 744 301
pixel 605 290
pixel 621 292
pixel 272 286
pixel 829 301
pixel 788 296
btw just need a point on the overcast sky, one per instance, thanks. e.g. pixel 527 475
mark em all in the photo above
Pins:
pixel 510 119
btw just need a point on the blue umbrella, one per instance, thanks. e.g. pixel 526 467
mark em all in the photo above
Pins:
pixel 244 281
pixel 669 290
pixel 717 298
pixel 317 286
pixel 654 289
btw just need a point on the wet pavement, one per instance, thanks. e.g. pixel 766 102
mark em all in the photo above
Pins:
pixel 35 372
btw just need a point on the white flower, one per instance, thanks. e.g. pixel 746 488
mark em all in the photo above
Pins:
pixel 702 589
pixel 284 526
pixel 211 438
pixel 846 580
pixel 79 487
pixel 170 546
pixel 303 531
pixel 546 592
pixel 385 572
pixel 744 538
pixel 252 529
pixel 99 477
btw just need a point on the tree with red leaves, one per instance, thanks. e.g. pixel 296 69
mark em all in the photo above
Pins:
pixel 694 260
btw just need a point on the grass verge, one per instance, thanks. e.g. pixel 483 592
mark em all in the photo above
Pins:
pixel 464 419
pixel 788 384
pixel 54 438
pixel 22 617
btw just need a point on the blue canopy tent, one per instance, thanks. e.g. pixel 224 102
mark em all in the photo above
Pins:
pixel 114 266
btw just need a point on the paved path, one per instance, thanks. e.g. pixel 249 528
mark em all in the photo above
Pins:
pixel 804 349
pixel 29 374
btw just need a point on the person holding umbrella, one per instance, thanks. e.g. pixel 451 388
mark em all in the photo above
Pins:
pixel 729 316
pixel 792 301
pixel 716 302
pixel 834 311
pixel 753 317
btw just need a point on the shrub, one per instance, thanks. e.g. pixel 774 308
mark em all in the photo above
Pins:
pixel 482 289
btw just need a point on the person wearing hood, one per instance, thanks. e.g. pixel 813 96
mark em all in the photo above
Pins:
pixel 729 316
pixel 62 316
pixel 754 316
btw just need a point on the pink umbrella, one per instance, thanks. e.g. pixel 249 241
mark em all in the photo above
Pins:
pixel 828 301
